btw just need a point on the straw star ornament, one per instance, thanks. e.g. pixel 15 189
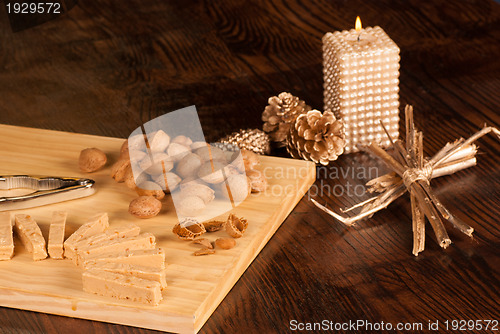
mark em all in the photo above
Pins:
pixel 412 172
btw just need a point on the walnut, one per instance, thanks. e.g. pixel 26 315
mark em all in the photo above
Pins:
pixel 235 226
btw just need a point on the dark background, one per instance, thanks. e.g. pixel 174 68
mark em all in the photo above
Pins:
pixel 106 67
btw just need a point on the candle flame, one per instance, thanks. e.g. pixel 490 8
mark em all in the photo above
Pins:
pixel 358 24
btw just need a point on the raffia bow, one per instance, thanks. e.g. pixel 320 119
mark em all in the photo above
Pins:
pixel 412 173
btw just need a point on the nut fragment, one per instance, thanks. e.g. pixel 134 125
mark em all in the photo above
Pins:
pixel 144 207
pixel 204 251
pixel 150 188
pixel 188 229
pixel 119 170
pixel 213 225
pixel 258 181
pixel 91 160
pixel 235 226
pixel 225 243
pixel 204 242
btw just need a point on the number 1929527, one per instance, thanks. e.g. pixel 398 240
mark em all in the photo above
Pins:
pixel 33 8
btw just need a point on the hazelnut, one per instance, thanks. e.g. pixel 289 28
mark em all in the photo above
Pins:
pixel 144 207
pixel 91 160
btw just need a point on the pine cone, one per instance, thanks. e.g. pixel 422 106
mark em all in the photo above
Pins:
pixel 317 137
pixel 251 139
pixel 280 114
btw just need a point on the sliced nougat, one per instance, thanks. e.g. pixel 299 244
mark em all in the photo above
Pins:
pixel 95 225
pixel 120 286
pixel 122 231
pixel 56 234
pixel 149 273
pixel 142 257
pixel 142 241
pixel 30 235
pixel 6 239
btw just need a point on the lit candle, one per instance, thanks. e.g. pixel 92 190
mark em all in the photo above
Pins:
pixel 361 83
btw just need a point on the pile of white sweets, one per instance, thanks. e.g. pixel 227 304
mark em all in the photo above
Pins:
pixel 119 262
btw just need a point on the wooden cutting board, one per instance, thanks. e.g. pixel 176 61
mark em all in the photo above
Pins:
pixel 196 285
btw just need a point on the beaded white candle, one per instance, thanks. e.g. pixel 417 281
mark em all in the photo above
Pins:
pixel 361 83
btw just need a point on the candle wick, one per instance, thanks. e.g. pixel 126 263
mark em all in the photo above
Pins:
pixel 359 36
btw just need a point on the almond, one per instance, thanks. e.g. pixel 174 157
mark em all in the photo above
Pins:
pixel 91 160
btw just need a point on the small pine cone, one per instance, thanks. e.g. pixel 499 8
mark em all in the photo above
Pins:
pixel 280 114
pixel 317 137
pixel 251 139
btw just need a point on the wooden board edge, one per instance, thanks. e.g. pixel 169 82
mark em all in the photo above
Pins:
pixel 214 299
pixel 87 310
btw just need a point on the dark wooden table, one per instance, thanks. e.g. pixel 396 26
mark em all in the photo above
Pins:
pixel 106 67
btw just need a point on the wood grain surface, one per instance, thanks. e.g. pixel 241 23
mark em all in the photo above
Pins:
pixel 196 285
pixel 106 67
